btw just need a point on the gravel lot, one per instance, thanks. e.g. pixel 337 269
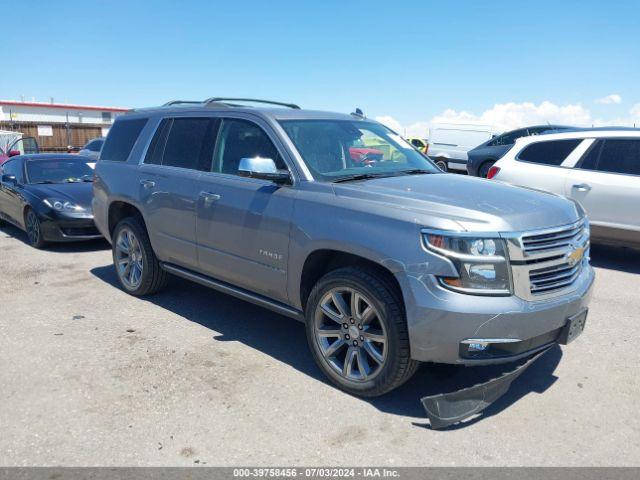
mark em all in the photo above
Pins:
pixel 92 376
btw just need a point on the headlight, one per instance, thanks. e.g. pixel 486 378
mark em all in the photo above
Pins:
pixel 482 263
pixel 63 206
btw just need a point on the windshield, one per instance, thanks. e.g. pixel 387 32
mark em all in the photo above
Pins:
pixel 58 171
pixel 336 150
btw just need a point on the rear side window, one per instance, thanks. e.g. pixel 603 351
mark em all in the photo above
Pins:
pixel 548 153
pixel 156 148
pixel 620 156
pixel 190 143
pixel 122 137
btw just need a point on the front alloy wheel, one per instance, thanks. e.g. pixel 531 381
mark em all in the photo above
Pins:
pixel 350 335
pixel 357 331
pixel 34 232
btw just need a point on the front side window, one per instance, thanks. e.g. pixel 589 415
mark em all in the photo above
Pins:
pixel 122 137
pixel 12 167
pixel 548 153
pixel 240 139
pixel 340 149
pixel 58 171
pixel 620 156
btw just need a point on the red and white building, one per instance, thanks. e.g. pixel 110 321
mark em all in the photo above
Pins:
pixel 57 126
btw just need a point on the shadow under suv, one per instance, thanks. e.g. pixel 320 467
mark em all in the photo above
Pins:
pixel 389 263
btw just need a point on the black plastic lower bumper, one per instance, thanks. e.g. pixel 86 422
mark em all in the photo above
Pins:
pixel 69 230
pixel 446 409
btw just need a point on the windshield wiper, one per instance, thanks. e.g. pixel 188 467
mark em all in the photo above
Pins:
pixel 43 182
pixel 417 171
pixel 361 176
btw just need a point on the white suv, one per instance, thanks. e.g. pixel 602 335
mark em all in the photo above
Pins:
pixel 598 168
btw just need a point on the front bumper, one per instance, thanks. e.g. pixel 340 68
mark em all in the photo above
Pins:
pixel 69 229
pixel 443 324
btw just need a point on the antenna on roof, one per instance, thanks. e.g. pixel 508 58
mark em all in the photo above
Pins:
pixel 358 113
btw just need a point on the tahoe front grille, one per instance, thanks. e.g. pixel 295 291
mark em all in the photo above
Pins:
pixel 554 239
pixel 547 263
pixel 551 279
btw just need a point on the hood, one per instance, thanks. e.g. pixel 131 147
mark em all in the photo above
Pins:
pixel 474 204
pixel 78 193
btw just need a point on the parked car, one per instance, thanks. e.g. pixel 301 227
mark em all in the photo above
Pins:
pixel 449 143
pixel 598 168
pixel 421 144
pixel 389 264
pixel 19 146
pixel 92 148
pixel 49 197
pixel 482 157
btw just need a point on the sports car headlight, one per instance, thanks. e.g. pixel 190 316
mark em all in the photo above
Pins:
pixel 482 263
pixel 63 206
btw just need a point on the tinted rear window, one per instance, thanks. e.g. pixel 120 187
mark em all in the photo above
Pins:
pixel 548 153
pixel 122 137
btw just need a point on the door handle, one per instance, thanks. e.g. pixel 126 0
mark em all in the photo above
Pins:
pixel 582 187
pixel 147 183
pixel 209 197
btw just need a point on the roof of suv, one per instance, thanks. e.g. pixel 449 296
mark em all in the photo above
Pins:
pixel 579 134
pixel 278 112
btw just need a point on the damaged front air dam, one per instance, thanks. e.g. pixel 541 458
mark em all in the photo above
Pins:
pixel 445 409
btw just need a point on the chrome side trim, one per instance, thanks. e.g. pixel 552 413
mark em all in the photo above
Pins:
pixel 234 291
pixel 490 340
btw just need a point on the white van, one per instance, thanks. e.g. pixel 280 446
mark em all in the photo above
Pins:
pixel 449 143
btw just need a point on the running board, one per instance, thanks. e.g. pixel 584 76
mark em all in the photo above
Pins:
pixel 237 292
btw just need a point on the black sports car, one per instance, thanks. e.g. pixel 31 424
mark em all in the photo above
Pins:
pixel 48 196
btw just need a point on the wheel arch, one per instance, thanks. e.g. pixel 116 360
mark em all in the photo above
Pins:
pixel 321 261
pixel 119 209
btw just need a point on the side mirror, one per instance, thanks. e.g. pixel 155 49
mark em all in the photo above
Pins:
pixel 264 168
pixel 7 178
pixel 13 153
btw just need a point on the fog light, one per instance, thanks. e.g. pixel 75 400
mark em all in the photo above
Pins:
pixel 478 347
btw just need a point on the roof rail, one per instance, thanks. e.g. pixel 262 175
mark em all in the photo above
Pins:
pixel 223 100
pixel 180 102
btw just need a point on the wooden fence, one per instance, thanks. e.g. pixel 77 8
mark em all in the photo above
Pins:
pixel 63 134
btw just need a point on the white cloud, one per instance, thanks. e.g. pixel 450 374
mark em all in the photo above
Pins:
pixel 390 122
pixel 614 98
pixel 509 116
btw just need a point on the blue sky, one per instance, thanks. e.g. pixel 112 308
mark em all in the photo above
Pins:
pixel 410 61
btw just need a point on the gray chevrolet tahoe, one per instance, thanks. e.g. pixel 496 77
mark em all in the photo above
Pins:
pixel 389 261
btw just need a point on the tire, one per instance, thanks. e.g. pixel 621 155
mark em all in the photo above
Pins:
pixel 137 267
pixel 442 165
pixel 483 171
pixel 33 229
pixel 364 375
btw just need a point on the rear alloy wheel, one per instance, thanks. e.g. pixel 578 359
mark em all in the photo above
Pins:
pixel 128 256
pixel 483 171
pixel 138 270
pixel 357 332
pixel 34 231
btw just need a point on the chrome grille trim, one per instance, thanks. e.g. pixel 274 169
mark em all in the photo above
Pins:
pixel 541 267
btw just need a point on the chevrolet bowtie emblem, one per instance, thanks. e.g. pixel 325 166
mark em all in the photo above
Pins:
pixel 575 256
